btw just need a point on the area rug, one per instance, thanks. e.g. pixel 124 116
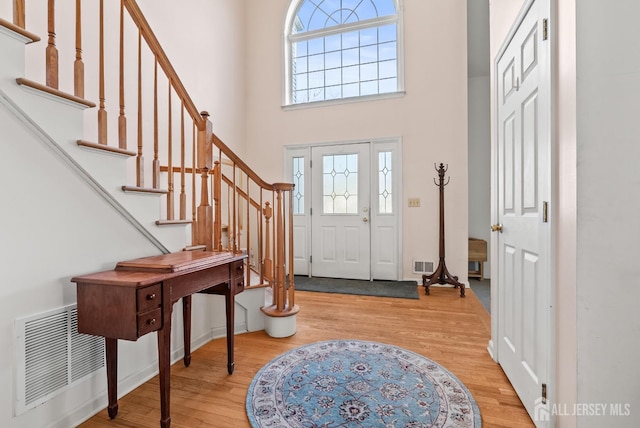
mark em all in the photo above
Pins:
pixel 354 383
pixel 401 289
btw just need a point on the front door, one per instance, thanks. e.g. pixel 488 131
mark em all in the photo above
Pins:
pixel 340 217
pixel 523 106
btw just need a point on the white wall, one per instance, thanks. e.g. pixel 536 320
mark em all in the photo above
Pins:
pixel 608 195
pixel 480 163
pixel 431 118
pixel 205 42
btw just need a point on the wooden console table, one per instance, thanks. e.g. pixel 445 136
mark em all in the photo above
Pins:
pixel 137 298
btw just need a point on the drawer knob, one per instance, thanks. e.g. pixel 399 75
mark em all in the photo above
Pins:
pixel 151 321
pixel 151 296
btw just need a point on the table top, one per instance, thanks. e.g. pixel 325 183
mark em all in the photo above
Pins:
pixel 149 270
pixel 175 262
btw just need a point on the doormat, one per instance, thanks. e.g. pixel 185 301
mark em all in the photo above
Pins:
pixel 400 289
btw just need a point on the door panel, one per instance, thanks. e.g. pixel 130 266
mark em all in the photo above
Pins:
pixel 523 183
pixel 340 221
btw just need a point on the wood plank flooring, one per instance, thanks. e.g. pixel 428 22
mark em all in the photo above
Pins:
pixel 449 330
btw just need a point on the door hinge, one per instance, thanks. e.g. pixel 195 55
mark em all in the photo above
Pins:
pixel 545 212
pixel 544 393
pixel 310 163
pixel 310 259
pixel 310 211
pixel 545 29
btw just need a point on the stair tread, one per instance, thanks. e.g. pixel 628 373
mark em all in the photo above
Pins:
pixel 52 91
pixel 171 222
pixel 144 190
pixel 106 148
pixel 16 29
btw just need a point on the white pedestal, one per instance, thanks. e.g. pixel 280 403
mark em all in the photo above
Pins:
pixel 280 326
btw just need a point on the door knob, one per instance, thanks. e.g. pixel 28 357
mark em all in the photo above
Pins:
pixel 496 228
pixel 365 219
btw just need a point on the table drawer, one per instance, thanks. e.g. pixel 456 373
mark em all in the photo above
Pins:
pixel 149 321
pixel 237 277
pixel 149 297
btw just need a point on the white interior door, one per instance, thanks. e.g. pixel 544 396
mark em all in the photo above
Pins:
pixel 523 87
pixel 340 219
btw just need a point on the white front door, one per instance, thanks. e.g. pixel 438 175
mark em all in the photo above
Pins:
pixel 340 218
pixel 523 192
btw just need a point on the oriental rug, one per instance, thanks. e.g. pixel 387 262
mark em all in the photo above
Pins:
pixel 354 383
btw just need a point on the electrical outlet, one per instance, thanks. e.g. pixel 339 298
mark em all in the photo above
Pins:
pixel 414 202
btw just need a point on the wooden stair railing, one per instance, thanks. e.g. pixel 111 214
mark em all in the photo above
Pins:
pixel 229 207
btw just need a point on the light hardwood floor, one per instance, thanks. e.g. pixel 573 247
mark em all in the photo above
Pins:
pixel 449 330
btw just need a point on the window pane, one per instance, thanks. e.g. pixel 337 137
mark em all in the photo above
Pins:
pixel 299 49
pixel 387 33
pixel 298 181
pixel 340 184
pixel 333 60
pixel 350 57
pixel 368 36
pixel 316 46
pixel 368 54
pixel 316 94
pixel 388 69
pixel 332 43
pixel 369 72
pixel 369 88
pixel 332 77
pixel 299 81
pixel 299 65
pixel 333 92
pixel 301 96
pixel 351 90
pixel 350 40
pixel 351 74
pixel 387 51
pixel 316 80
pixel 316 62
pixel 385 192
pixel 388 85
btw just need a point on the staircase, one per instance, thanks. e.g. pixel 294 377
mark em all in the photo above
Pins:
pixel 154 159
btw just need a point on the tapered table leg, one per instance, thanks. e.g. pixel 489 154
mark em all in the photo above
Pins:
pixel 164 368
pixel 186 324
pixel 231 304
pixel 111 346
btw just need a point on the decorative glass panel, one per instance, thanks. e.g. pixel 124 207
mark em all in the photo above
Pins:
pixel 340 184
pixel 298 181
pixel 385 192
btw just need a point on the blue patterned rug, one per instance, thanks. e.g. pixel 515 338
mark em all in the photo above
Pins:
pixel 353 383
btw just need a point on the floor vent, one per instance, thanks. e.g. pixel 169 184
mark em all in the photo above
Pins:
pixel 422 267
pixel 52 355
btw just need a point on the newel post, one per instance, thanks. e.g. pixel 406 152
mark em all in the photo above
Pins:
pixel 280 316
pixel 205 163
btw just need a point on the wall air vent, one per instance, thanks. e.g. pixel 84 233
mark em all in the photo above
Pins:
pixel 422 266
pixel 52 355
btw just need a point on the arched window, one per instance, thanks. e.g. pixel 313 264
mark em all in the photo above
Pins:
pixel 339 49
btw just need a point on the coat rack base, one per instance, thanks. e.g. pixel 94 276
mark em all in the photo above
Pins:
pixel 442 276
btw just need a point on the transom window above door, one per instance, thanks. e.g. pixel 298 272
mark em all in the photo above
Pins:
pixel 340 49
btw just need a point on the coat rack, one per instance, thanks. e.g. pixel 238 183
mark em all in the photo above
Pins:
pixel 441 275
